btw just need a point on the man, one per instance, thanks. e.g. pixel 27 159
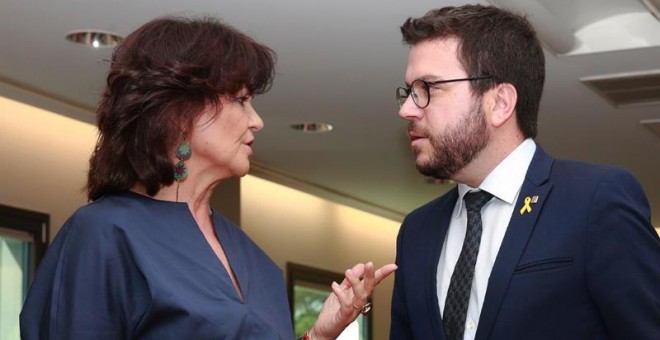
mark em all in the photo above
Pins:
pixel 549 248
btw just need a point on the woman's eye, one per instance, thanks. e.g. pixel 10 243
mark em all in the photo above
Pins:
pixel 243 100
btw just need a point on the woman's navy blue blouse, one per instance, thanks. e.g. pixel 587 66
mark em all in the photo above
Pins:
pixel 129 266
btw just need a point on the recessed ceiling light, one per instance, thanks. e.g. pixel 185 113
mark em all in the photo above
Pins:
pixel 312 127
pixel 94 38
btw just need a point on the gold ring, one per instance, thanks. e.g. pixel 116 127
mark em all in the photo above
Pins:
pixel 365 309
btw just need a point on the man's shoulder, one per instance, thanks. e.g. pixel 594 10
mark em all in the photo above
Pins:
pixel 587 172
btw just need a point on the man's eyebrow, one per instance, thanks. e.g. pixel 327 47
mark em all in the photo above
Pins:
pixel 427 78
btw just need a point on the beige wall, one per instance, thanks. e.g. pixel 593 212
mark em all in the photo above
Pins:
pixel 43 160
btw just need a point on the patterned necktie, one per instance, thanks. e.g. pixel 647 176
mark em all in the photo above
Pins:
pixel 458 295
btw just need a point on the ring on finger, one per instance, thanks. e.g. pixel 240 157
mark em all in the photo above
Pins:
pixel 364 310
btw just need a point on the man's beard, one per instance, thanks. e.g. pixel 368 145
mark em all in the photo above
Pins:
pixel 456 147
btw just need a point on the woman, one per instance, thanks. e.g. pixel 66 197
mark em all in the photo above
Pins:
pixel 148 258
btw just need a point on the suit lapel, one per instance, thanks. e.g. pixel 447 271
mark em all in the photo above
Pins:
pixel 443 214
pixel 518 232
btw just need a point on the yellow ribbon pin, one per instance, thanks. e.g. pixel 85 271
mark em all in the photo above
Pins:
pixel 527 207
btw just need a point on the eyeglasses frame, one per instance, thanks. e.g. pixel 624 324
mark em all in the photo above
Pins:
pixel 427 86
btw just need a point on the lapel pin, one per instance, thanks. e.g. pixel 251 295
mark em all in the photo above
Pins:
pixel 527 208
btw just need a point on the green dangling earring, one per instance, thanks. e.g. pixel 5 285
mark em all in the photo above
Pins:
pixel 183 153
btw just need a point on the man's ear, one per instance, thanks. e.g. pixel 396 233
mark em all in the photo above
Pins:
pixel 502 105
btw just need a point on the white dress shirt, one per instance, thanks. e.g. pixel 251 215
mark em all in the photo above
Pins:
pixel 504 182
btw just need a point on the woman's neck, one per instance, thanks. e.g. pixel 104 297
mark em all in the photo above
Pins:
pixel 197 197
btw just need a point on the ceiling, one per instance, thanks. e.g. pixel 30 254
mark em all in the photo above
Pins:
pixel 339 62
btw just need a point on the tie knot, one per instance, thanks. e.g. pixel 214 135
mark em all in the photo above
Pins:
pixel 476 199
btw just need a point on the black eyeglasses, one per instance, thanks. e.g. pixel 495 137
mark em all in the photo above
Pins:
pixel 419 89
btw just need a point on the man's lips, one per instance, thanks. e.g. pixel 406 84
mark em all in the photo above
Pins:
pixel 415 136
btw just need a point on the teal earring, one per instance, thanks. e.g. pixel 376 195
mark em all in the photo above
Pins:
pixel 183 153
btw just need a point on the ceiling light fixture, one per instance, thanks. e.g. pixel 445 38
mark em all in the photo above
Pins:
pixel 312 127
pixel 94 38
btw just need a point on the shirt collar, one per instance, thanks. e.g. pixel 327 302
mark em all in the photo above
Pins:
pixel 505 181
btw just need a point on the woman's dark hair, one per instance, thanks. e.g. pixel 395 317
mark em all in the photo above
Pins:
pixel 162 76
pixel 492 42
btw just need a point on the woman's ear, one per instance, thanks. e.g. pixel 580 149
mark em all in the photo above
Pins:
pixel 503 104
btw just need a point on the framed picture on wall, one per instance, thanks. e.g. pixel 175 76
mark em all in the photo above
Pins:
pixel 308 287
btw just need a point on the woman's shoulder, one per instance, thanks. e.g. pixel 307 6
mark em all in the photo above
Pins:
pixel 91 229
pixel 107 212
pixel 122 205
pixel 101 211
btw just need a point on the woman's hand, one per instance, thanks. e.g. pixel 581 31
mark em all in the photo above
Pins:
pixel 348 299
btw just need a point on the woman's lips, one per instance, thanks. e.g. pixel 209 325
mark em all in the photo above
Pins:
pixel 248 146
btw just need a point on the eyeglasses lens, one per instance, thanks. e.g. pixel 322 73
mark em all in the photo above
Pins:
pixel 420 92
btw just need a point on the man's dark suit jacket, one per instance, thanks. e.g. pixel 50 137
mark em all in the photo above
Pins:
pixel 583 264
